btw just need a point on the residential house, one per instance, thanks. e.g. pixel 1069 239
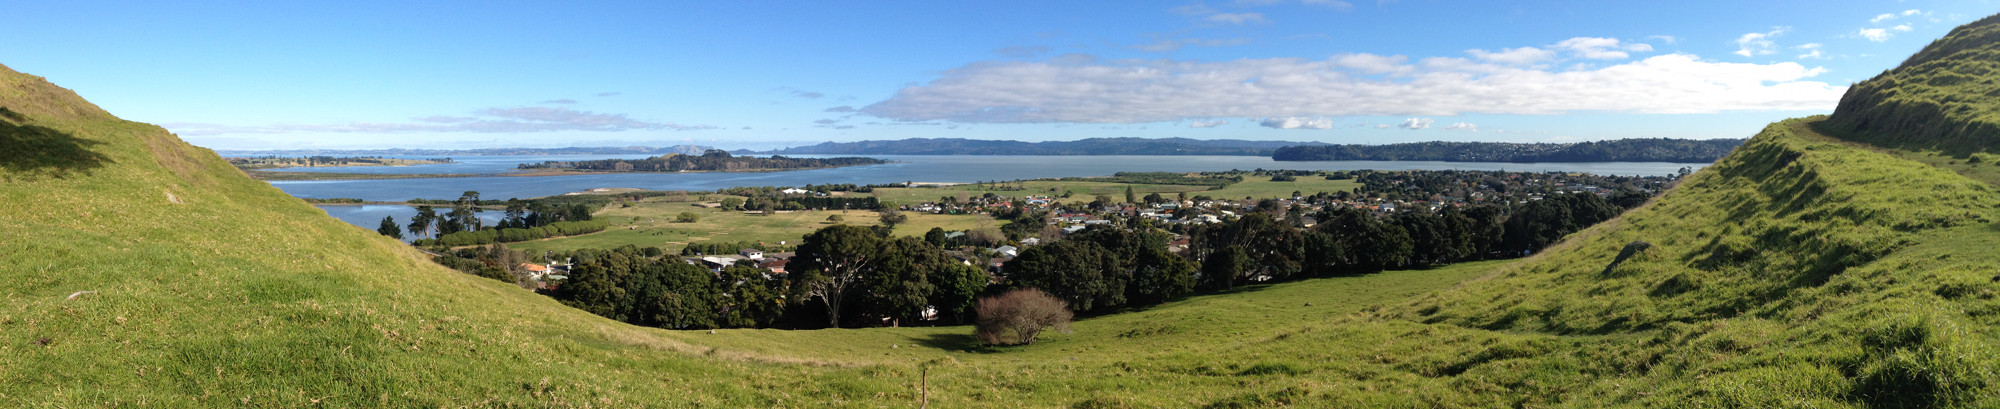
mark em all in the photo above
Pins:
pixel 753 254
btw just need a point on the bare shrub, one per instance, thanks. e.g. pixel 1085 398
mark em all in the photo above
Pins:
pixel 1016 317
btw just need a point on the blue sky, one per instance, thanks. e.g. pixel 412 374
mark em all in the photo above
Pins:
pixel 753 74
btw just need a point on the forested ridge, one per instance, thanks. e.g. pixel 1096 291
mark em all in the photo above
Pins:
pixel 1622 150
pixel 713 160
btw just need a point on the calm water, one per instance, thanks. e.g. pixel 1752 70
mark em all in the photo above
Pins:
pixel 918 168
pixel 370 216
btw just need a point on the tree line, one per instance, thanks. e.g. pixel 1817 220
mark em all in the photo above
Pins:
pixel 712 160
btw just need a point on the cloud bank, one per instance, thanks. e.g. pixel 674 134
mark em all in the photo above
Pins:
pixel 1084 89
pixel 490 120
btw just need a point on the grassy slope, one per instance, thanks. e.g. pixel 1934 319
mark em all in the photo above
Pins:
pixel 1945 98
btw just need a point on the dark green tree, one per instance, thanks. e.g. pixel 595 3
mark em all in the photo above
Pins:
pixel 1080 272
pixel 424 221
pixel 832 263
pixel 389 228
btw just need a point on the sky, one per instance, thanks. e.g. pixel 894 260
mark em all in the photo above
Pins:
pixel 761 74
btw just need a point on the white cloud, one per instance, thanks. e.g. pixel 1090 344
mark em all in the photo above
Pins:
pixel 1416 123
pixel 1236 18
pixel 1812 50
pixel 1384 126
pixel 1901 27
pixel 1373 64
pixel 1598 48
pixel 1912 12
pixel 1876 34
pixel 1883 17
pixel 1665 38
pixel 1090 90
pixel 1297 123
pixel 1208 124
pixel 1461 126
pixel 1751 44
pixel 1514 56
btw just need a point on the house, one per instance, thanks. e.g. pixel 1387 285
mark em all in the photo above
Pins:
pixel 1008 251
pixel 714 263
pixel 753 254
pixel 1073 229
pixel 795 191
pixel 535 271
pixel 775 266
pixel 1031 241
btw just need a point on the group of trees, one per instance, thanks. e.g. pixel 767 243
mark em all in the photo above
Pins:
pixel 522 220
pixel 509 235
pixel 730 247
pixel 1113 266
pixel 627 285
pixel 713 160
pixel 843 276
pixel 860 276
pixel 1104 268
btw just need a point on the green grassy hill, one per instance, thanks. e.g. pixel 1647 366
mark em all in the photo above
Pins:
pixel 1943 98
pixel 1801 271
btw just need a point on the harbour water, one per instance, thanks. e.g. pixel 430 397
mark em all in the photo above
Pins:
pixel 905 168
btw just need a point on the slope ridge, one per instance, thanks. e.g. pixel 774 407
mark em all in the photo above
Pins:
pixel 1946 97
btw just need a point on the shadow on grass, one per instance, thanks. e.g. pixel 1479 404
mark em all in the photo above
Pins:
pixel 32 150
pixel 954 342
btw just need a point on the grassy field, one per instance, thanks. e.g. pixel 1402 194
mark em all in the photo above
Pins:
pixel 655 226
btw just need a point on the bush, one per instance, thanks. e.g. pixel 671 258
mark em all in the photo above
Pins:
pixel 687 217
pixel 1017 316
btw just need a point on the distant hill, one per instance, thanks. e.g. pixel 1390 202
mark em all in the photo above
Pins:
pixel 625 150
pixel 1092 146
pixel 1943 98
pixel 1622 150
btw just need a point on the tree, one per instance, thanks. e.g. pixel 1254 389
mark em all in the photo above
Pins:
pixel 1082 273
pixel 832 262
pixel 957 288
pixel 1018 316
pixel 836 219
pixel 1221 269
pixel 516 215
pixel 389 228
pixel 687 217
pixel 891 217
pixel 425 219
pixel 935 237
pixel 731 203
pixel 1159 275
pixel 1129 197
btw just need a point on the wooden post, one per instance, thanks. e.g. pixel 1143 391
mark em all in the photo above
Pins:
pixel 926 379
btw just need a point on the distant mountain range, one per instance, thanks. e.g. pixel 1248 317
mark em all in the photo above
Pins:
pixel 1622 150
pixel 627 150
pixel 1092 146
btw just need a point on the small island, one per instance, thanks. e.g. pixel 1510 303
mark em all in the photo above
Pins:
pixel 714 160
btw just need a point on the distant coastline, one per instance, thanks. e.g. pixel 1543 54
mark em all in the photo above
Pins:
pixel 1622 150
